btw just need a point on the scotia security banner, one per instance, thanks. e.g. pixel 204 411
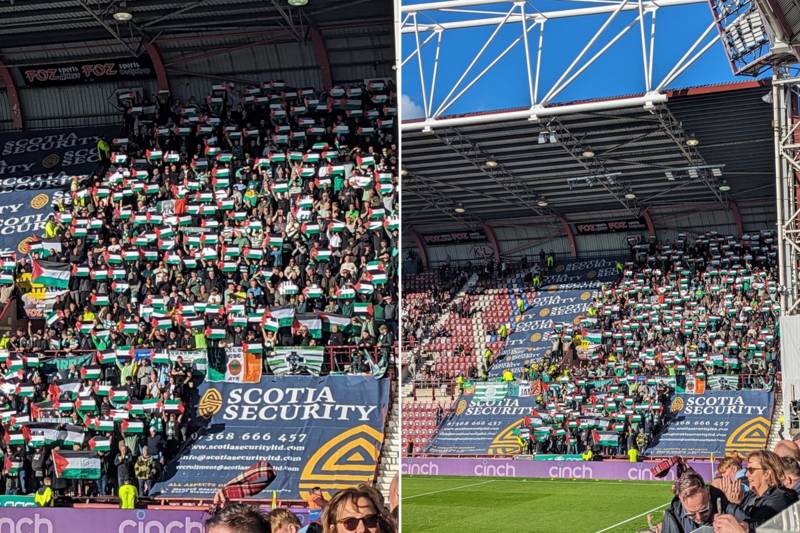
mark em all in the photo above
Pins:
pixel 478 427
pixel 33 166
pixel 717 422
pixel 314 431
pixel 564 295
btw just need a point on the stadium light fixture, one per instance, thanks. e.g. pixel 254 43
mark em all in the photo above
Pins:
pixel 542 203
pixel 459 208
pixel 542 138
pixel 298 3
pixel 553 137
pixel 403 172
pixel 693 173
pixel 122 16
pixel 630 195
pixel 491 163
pixel 692 140
pixel 670 176
pixel 588 153
pixel 724 186
pixel 716 172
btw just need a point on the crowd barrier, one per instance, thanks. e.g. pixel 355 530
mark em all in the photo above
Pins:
pixel 522 468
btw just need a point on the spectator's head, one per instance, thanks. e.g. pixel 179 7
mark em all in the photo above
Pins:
pixel 694 496
pixel 729 466
pixel 787 448
pixel 791 471
pixel 238 518
pixel 284 521
pixel 764 471
pixel 359 509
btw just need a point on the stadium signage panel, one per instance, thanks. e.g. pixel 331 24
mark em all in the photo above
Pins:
pixel 33 167
pixel 119 69
pixel 65 520
pixel 479 427
pixel 717 422
pixel 610 226
pixel 455 237
pixel 564 296
pixel 611 470
pixel 315 431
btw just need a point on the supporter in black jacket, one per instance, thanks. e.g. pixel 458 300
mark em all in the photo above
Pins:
pixel 694 505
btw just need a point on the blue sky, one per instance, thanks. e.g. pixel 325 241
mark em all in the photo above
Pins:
pixel 618 72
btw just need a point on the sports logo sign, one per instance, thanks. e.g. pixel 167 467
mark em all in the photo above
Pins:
pixel 315 431
pixel 716 422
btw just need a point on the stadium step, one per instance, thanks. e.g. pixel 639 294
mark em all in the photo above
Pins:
pixel 390 455
pixel 775 428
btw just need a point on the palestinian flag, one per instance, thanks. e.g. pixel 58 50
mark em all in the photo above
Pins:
pixel 275 240
pixel 378 278
pixel 313 321
pixel 119 395
pixel 11 467
pixel 70 387
pixel 130 427
pixel 102 389
pixel 364 288
pixel 99 444
pixel 321 255
pixel 215 333
pixel 330 319
pixel 362 308
pixel 90 372
pixel 76 465
pixel 284 315
pixel 119 415
pixel 17 438
pixel 313 292
pixel 160 358
pixel 108 358
pixel 270 324
pixel 172 406
pixel 51 273
pixel 288 288
pixel 100 300
pixel 6 279
pixel 336 226
pixel 32 361
pixel 345 293
pixel 605 438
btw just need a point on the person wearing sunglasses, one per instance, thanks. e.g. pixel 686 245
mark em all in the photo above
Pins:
pixel 766 498
pixel 357 510
pixel 694 505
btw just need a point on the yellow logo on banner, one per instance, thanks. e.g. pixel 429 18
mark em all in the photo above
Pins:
pixel 210 403
pixel 585 295
pixel 536 337
pixel 24 245
pixel 677 404
pixel 461 406
pixel 39 201
pixel 545 311
pixel 344 461
pixel 749 437
pixel 51 160
pixel 505 442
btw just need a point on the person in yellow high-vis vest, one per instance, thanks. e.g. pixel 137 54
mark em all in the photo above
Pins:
pixel 44 495
pixel 128 495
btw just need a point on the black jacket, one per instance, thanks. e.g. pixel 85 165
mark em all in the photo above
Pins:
pixel 676 521
pixel 756 510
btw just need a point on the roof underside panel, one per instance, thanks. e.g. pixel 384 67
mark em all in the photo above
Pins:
pixel 733 128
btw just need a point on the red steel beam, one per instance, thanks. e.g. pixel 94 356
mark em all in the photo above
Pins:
pixel 648 220
pixel 487 229
pixel 423 253
pixel 570 236
pixel 737 216
pixel 321 53
pixel 13 95
pixel 158 65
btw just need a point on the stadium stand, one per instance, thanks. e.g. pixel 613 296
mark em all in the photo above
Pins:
pixel 243 236
pixel 681 316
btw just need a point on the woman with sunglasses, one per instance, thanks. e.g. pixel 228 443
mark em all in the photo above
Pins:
pixel 357 510
pixel 766 498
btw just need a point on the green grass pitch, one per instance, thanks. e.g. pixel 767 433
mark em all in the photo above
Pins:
pixel 465 504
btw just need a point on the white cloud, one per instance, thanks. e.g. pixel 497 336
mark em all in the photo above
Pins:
pixel 410 109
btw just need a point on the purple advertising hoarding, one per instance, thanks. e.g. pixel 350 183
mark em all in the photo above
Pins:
pixel 615 470
pixel 41 520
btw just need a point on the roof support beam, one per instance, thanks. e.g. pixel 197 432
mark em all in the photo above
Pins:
pixel 423 253
pixel 13 95
pixel 648 220
pixel 321 53
pixel 489 232
pixel 737 217
pixel 570 236
pixel 158 64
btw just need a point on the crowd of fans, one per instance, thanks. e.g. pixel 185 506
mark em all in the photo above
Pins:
pixel 681 316
pixel 263 219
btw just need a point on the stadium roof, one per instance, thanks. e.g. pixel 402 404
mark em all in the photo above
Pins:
pixel 615 160
pixel 33 22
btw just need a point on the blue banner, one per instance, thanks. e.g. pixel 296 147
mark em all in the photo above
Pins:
pixel 717 422
pixel 563 296
pixel 322 432
pixel 33 166
pixel 478 427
